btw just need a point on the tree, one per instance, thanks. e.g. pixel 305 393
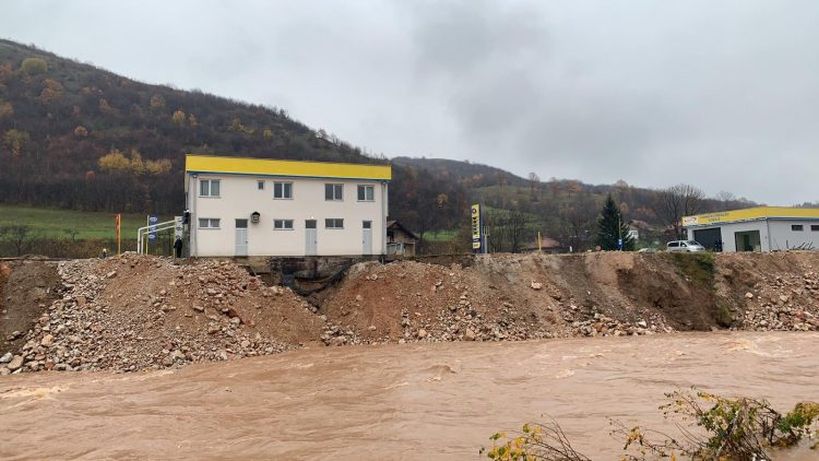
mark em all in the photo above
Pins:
pixel 534 185
pixel 611 227
pixel 678 201
pixel 52 91
pixel 15 140
pixel 34 66
pixel 178 118
pixel 577 220
pixel 6 110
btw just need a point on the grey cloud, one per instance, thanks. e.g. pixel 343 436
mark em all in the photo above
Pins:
pixel 722 95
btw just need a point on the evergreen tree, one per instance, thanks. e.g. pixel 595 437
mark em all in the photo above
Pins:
pixel 611 226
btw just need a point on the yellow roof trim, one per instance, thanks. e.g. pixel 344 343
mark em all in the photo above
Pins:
pixel 294 168
pixel 748 214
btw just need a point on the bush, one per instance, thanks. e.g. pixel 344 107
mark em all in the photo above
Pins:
pixel 34 66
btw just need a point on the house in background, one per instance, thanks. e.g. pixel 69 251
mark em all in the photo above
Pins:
pixel 400 240
pixel 264 207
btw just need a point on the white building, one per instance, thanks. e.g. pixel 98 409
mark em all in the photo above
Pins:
pixel 262 207
pixel 756 229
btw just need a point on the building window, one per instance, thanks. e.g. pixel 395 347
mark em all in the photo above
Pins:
pixel 209 187
pixel 260 184
pixel 814 227
pixel 283 190
pixel 282 224
pixel 334 192
pixel 366 193
pixel 334 223
pixel 366 224
pixel 208 223
pixel 797 227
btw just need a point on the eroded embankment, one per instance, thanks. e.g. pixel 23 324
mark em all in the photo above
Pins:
pixel 134 312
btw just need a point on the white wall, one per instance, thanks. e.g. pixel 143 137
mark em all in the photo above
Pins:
pixel 239 197
pixel 783 238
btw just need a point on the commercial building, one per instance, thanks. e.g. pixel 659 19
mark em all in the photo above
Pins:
pixel 263 207
pixel 756 229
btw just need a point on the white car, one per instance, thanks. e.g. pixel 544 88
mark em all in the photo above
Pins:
pixel 684 246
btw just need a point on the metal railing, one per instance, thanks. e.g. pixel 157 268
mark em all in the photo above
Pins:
pixel 144 232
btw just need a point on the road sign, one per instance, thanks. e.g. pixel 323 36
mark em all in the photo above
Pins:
pixel 152 221
pixel 177 228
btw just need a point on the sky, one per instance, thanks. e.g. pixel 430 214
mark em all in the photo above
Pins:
pixel 721 95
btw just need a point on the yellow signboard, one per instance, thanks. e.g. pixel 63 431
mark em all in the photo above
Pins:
pixel 750 214
pixel 476 226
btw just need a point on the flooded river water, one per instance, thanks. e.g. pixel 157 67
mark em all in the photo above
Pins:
pixel 413 401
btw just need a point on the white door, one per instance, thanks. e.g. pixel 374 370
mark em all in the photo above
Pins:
pixel 241 237
pixel 367 237
pixel 310 237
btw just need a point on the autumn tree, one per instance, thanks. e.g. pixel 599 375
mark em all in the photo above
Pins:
pixel 6 110
pixel 178 118
pixel 15 141
pixel 52 91
pixel 34 66
pixel 611 227
pixel 678 201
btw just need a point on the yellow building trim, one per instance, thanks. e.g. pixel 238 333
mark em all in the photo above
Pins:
pixel 269 167
pixel 749 214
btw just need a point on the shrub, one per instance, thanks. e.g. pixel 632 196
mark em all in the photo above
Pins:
pixel 34 66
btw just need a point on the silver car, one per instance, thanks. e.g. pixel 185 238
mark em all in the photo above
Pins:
pixel 684 246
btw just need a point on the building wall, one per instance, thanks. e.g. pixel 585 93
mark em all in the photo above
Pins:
pixel 239 197
pixel 774 235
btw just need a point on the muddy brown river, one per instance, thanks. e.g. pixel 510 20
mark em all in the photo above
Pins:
pixel 414 401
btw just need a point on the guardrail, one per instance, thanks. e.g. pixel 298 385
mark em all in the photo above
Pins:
pixel 143 232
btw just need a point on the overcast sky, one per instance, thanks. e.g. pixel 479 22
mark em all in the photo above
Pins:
pixel 723 95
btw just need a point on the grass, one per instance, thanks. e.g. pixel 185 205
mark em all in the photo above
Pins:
pixel 440 236
pixel 55 223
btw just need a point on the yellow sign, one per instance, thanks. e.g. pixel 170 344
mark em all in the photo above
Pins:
pixel 750 214
pixel 476 226
pixel 292 168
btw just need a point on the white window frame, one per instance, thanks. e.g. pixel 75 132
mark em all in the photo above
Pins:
pixel 209 182
pixel 280 225
pixel 337 187
pixel 208 223
pixel 283 188
pixel 335 221
pixel 365 188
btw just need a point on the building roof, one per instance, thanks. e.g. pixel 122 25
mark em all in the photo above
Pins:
pixel 291 168
pixel 751 214
pixel 395 224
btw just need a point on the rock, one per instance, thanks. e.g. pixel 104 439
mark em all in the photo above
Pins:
pixel 642 324
pixel 198 308
pixel 359 298
pixel 111 274
pixel 536 285
pixel 371 328
pixel 6 358
pixel 47 341
pixel 784 298
pixel 469 335
pixel 749 295
pixel 422 333
pixel 15 363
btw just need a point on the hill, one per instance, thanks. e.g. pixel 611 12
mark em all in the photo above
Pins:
pixel 58 118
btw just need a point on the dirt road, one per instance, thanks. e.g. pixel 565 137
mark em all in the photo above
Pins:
pixel 409 401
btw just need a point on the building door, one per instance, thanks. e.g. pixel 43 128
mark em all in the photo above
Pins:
pixel 241 237
pixel 709 238
pixel 310 237
pixel 367 237
pixel 747 241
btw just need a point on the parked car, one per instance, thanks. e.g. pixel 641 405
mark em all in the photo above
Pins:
pixel 684 246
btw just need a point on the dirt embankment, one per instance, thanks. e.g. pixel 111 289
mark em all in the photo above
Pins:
pixel 134 312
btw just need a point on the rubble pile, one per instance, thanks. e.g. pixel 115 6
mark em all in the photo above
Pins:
pixel 135 312
pixel 788 301
pixel 412 301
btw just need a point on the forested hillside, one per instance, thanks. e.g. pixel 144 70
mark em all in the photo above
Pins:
pixel 76 136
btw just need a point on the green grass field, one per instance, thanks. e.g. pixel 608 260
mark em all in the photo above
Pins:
pixel 55 223
pixel 440 236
